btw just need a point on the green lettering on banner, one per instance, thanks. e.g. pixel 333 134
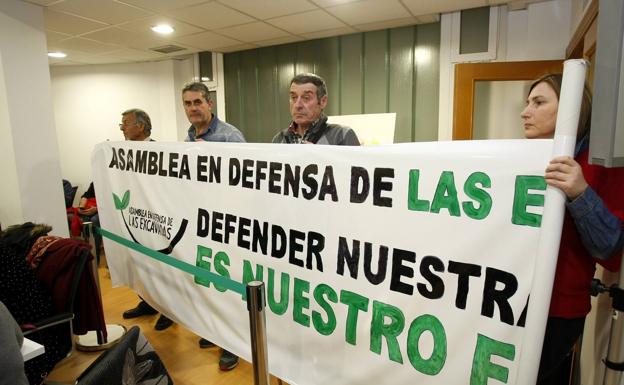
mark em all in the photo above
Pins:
pixel 248 274
pixel 446 195
pixel 280 307
pixel 301 302
pixel 204 254
pixel 434 364
pixel 355 302
pixel 483 368
pixel 390 331
pixel 221 261
pixel 522 199
pixel 478 194
pixel 413 203
pixel 320 292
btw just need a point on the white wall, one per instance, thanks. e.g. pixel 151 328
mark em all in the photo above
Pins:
pixel 11 207
pixel 31 178
pixel 540 32
pixel 184 71
pixel 89 100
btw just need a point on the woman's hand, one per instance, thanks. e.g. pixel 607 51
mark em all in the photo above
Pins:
pixel 566 174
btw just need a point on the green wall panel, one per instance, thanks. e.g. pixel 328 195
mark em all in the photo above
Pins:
pixel 268 110
pixel 233 106
pixel 328 65
pixel 401 81
pixel 371 72
pixel 352 79
pixel 249 94
pixel 307 52
pixel 286 60
pixel 375 72
pixel 427 84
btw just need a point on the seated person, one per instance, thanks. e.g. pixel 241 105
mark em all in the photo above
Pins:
pixel 87 209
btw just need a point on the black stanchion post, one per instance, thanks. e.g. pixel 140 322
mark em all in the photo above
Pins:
pixel 615 354
pixel 256 303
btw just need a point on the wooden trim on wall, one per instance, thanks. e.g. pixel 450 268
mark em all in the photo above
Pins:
pixel 576 47
pixel 466 74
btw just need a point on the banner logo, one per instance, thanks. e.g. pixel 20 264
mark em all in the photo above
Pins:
pixel 149 221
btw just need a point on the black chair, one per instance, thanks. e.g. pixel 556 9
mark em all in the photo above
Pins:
pixel 73 195
pixel 70 193
pixel 131 360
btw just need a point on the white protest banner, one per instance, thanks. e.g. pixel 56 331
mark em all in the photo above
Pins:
pixel 397 264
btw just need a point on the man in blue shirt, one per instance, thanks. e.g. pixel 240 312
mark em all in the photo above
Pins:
pixel 206 127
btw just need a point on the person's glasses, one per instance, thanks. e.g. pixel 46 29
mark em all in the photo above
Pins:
pixel 121 125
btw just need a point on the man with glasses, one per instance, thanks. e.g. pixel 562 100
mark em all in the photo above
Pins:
pixel 206 127
pixel 136 125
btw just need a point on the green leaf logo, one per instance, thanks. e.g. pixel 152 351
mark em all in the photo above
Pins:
pixel 126 199
pixel 117 201
pixel 121 204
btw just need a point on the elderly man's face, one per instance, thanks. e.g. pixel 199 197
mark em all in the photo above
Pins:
pixel 130 128
pixel 305 107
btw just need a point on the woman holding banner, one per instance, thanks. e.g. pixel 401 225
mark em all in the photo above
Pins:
pixel 592 227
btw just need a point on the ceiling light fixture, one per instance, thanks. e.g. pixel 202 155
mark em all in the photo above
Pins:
pixel 164 29
pixel 58 55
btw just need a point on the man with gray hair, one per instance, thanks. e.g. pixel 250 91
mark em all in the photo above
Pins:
pixel 308 99
pixel 206 127
pixel 136 125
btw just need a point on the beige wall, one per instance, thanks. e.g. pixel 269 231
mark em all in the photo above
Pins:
pixel 89 100
pixel 31 178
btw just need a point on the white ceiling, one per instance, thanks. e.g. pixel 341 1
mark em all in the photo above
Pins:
pixel 117 31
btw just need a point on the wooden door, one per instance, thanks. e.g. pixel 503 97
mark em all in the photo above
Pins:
pixel 467 74
pixel 581 45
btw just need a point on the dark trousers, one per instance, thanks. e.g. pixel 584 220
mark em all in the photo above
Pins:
pixel 561 335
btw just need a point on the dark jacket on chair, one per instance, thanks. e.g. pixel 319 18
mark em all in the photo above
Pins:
pixel 56 271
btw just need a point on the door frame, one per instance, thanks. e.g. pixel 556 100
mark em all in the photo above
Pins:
pixel 467 74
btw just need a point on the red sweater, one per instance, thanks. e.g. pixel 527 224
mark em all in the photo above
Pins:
pixel 575 266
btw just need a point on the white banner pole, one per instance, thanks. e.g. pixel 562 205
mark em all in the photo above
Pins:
pixel 552 221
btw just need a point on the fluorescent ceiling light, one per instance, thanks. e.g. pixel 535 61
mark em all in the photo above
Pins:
pixel 57 54
pixel 164 29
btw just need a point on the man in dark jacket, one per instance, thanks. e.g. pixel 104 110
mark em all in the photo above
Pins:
pixel 308 99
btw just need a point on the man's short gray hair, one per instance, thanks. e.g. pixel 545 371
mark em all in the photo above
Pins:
pixel 197 87
pixel 319 82
pixel 140 117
